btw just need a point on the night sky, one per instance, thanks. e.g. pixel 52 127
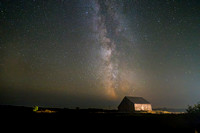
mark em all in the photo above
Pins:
pixel 92 53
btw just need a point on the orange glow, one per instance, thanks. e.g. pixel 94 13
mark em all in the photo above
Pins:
pixel 46 111
pixel 111 93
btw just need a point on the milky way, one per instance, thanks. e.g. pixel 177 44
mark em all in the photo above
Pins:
pixel 107 25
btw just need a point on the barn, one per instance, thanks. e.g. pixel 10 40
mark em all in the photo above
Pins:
pixel 130 104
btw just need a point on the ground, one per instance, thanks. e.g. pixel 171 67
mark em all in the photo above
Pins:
pixel 94 120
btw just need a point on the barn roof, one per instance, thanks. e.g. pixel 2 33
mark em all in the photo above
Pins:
pixel 138 100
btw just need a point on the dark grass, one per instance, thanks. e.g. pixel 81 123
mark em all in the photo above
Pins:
pixel 97 120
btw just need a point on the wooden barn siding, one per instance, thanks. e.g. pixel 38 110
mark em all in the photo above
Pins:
pixel 126 106
pixel 143 107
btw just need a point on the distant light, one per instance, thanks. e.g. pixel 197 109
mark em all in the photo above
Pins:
pixel 35 108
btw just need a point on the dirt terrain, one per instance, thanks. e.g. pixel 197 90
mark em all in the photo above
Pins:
pixel 95 120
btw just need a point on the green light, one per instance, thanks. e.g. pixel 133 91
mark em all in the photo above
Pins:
pixel 35 108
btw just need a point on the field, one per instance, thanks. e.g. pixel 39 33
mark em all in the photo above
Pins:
pixel 95 120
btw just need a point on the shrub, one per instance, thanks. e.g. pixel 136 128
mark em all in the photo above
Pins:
pixel 193 109
pixel 35 108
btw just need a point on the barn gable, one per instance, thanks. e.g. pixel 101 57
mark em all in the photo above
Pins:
pixel 126 105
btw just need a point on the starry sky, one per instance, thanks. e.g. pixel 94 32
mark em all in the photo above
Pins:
pixel 92 53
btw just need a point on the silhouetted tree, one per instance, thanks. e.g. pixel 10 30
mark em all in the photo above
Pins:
pixel 193 109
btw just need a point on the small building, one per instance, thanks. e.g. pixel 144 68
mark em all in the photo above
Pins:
pixel 130 104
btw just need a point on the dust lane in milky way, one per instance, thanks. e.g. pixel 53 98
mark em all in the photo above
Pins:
pixel 108 27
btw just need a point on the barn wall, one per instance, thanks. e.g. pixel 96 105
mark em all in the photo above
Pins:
pixel 143 107
pixel 126 106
